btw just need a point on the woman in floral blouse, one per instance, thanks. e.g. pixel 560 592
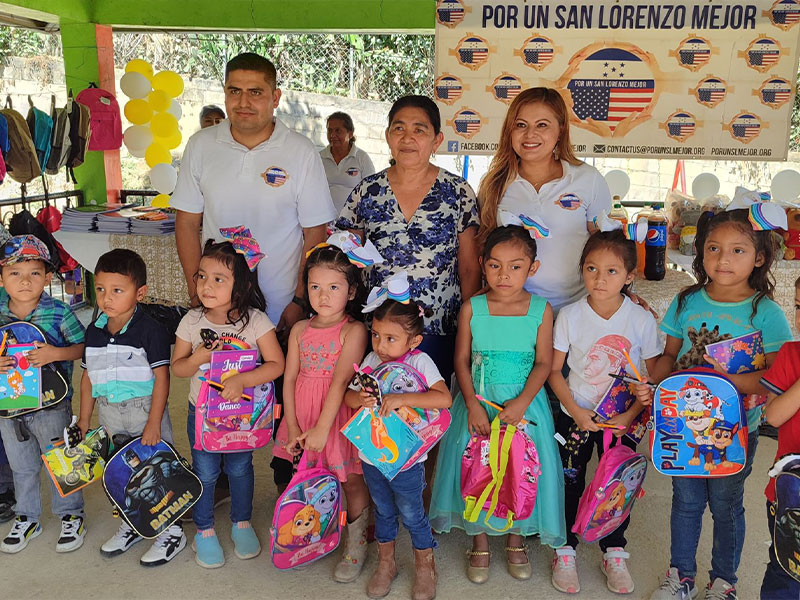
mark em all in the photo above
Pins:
pixel 423 220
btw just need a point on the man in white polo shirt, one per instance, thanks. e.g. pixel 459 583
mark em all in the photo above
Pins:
pixel 251 170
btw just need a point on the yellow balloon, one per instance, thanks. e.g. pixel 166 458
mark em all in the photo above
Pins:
pixel 157 154
pixel 160 201
pixel 170 82
pixel 170 142
pixel 158 100
pixel 137 65
pixel 164 125
pixel 138 111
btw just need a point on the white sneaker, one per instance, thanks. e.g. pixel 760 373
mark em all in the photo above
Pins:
pixel 73 530
pixel 615 568
pixel 21 533
pixel 720 589
pixel 675 588
pixel 565 571
pixel 165 548
pixel 122 540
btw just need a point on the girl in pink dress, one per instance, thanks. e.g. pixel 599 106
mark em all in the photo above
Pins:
pixel 319 368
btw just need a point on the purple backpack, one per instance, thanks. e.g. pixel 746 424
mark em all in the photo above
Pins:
pixel 308 519
pixel 608 499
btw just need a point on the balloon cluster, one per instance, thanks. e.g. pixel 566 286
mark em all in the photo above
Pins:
pixel 154 112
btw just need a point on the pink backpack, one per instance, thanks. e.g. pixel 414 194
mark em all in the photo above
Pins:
pixel 235 433
pixel 608 499
pixel 105 121
pixel 308 519
pixel 499 474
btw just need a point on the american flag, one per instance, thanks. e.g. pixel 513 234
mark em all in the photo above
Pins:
pixel 538 51
pixel 746 126
pixel 448 88
pixel 776 91
pixel 680 125
pixel 507 88
pixel 786 13
pixel 711 90
pixel 450 12
pixel 467 122
pixel 694 52
pixel 275 176
pixel 763 53
pixel 473 51
pixel 611 85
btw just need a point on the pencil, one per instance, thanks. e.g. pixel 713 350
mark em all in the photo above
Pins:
pixel 630 362
pixel 218 386
pixel 609 426
pixel 3 343
pixel 497 406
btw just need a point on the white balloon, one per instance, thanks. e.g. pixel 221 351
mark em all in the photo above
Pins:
pixel 137 137
pixel 138 152
pixel 163 178
pixel 135 85
pixel 618 182
pixel 786 186
pixel 175 109
pixel 704 186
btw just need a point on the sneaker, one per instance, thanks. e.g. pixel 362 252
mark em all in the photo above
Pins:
pixel 615 568
pixel 121 542
pixel 209 552
pixel 165 548
pixel 73 530
pixel 21 533
pixel 565 571
pixel 245 542
pixel 675 588
pixel 719 589
pixel 7 501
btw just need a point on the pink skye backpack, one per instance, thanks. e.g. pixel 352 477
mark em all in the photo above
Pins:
pixel 308 519
pixel 106 124
pixel 499 474
pixel 608 499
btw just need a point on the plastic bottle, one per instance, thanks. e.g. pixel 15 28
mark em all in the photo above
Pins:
pixel 618 213
pixel 640 250
pixel 655 261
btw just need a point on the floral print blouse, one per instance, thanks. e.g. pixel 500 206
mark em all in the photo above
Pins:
pixel 426 246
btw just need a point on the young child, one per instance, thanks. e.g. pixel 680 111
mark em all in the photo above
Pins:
pixel 732 296
pixel 25 270
pixel 591 334
pixel 126 373
pixel 319 366
pixel 782 380
pixel 231 317
pixel 396 331
pixel 504 350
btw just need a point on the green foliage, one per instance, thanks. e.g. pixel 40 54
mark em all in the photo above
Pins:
pixel 24 43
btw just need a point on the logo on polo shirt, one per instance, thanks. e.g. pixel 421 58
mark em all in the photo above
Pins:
pixel 275 176
pixel 568 201
pixel 353 171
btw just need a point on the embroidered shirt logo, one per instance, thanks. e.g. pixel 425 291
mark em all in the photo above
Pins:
pixel 568 201
pixel 353 172
pixel 275 176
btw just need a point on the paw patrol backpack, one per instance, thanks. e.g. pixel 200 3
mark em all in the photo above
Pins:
pixel 308 519
pixel 608 499
pixel 699 426
pixel 786 512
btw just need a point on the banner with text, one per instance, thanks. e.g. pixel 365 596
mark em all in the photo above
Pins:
pixel 710 79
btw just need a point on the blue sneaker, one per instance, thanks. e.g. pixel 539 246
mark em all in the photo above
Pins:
pixel 209 552
pixel 245 542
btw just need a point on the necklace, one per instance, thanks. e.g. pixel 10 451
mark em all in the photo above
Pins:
pixel 538 181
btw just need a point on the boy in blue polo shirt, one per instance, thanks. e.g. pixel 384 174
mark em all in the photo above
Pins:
pixel 126 373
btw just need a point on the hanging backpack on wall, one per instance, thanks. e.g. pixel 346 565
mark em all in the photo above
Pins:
pixel 40 125
pixel 79 133
pixel 106 123
pixel 60 143
pixel 21 160
pixel 3 136
pixel 23 222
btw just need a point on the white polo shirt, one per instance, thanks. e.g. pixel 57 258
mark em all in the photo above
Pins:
pixel 565 205
pixel 342 178
pixel 275 189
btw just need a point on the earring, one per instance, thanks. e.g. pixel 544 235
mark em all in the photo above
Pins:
pixel 555 151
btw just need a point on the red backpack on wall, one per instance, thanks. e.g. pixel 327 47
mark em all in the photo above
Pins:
pixel 106 123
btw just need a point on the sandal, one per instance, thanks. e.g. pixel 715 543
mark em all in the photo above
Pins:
pixel 477 574
pixel 521 571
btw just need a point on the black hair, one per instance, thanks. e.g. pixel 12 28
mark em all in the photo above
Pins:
pixel 761 280
pixel 423 102
pixel 613 241
pixel 124 262
pixel 409 316
pixel 210 109
pixel 245 294
pixel 797 283
pixel 250 61
pixel 333 258
pixel 348 123
pixel 510 233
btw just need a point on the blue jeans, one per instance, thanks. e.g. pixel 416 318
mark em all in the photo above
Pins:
pixel 777 583
pixel 724 496
pixel 25 458
pixel 206 465
pixel 401 496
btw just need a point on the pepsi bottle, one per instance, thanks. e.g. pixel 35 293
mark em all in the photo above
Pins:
pixel 655 247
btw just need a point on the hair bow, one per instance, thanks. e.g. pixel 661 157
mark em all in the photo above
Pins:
pixel 633 231
pixel 763 214
pixel 535 227
pixel 396 287
pixel 744 198
pixel 243 243
pixel 360 255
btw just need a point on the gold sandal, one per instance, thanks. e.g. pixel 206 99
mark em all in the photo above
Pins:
pixel 521 571
pixel 477 574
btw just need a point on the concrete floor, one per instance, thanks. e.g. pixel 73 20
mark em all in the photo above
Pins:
pixel 38 572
